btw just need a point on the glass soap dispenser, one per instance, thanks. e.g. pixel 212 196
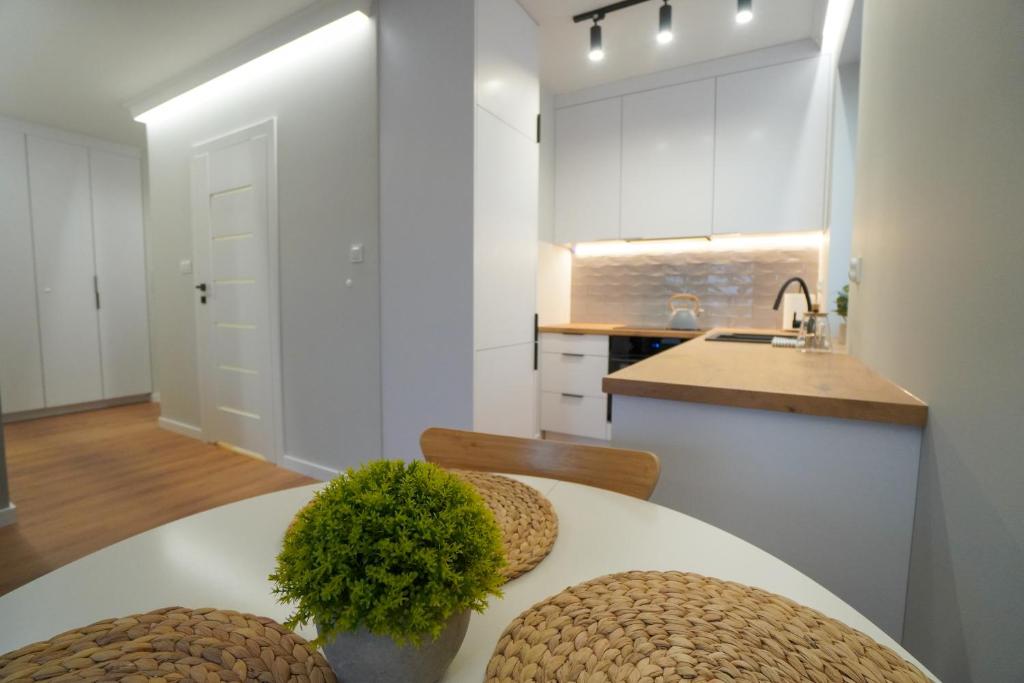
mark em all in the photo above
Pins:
pixel 815 332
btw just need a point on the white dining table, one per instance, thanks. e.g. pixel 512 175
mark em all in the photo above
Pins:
pixel 222 557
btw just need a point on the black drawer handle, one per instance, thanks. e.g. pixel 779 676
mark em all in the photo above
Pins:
pixel 573 355
pixel 572 395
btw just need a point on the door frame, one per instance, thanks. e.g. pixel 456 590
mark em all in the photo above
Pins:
pixel 200 254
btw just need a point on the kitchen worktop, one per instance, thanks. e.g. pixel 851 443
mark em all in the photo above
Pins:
pixel 617 330
pixel 768 378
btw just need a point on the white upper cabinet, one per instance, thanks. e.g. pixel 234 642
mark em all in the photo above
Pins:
pixel 668 149
pixel 21 369
pixel 65 271
pixel 588 164
pixel 770 148
pixel 121 273
pixel 506 64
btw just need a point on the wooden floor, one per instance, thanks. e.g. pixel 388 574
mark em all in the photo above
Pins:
pixel 82 482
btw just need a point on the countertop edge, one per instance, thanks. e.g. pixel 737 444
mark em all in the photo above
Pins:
pixel 794 404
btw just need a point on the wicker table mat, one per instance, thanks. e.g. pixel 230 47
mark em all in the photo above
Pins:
pixel 662 627
pixel 527 520
pixel 167 645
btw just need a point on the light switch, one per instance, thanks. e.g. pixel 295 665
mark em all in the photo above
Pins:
pixel 856 266
pixel 185 266
pixel 355 253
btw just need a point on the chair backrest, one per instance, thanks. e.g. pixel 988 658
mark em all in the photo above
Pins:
pixel 634 473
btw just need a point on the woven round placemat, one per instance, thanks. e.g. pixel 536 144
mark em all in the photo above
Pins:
pixel 171 644
pixel 527 520
pixel 663 627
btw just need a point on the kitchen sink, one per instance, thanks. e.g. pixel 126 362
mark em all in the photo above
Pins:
pixel 747 337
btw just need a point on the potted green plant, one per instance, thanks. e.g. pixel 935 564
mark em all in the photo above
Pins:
pixel 842 304
pixel 388 560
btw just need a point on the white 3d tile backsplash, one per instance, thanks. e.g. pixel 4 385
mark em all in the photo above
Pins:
pixel 736 287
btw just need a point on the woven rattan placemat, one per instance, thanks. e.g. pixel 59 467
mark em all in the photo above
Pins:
pixel 644 627
pixel 167 645
pixel 527 520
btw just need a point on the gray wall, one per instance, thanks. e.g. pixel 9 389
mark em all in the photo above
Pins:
pixel 426 218
pixel 938 223
pixel 326 109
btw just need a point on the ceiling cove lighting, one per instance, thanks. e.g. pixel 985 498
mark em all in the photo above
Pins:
pixel 744 11
pixel 596 53
pixel 262 66
pixel 718 243
pixel 665 24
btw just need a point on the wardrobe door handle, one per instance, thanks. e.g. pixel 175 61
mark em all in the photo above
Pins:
pixel 572 355
pixel 572 395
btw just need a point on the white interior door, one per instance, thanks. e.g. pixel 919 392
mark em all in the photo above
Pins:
pixel 235 229
pixel 65 271
pixel 21 364
pixel 121 273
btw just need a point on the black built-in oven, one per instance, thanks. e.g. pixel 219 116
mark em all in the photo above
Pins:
pixel 624 351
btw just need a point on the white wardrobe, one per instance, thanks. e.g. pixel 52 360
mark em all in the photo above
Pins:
pixel 74 325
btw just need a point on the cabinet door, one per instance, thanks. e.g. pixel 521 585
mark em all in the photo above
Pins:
pixel 668 148
pixel 62 226
pixel 588 155
pixel 504 234
pixel 505 391
pixel 506 64
pixel 121 273
pixel 21 370
pixel 770 148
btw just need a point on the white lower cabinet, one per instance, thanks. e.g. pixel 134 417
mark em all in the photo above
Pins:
pixel 571 369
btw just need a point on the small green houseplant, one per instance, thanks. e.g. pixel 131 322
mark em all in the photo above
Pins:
pixel 843 301
pixel 388 560
pixel 842 308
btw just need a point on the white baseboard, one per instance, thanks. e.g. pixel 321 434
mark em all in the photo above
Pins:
pixel 8 515
pixel 310 469
pixel 182 428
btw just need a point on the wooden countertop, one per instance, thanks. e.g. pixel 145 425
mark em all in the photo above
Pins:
pixel 768 378
pixel 616 330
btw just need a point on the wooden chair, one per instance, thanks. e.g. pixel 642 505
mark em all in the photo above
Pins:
pixel 634 473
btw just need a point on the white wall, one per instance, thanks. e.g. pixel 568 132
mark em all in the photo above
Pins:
pixel 938 223
pixel 326 109
pixel 839 234
pixel 426 218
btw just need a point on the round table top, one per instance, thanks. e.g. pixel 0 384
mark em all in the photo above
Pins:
pixel 222 557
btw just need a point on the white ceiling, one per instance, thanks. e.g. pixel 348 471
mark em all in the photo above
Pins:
pixel 704 29
pixel 73 64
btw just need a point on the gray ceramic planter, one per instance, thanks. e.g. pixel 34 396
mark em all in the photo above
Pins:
pixel 362 657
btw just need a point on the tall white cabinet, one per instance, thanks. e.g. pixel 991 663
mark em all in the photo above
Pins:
pixel 506 176
pixel 73 318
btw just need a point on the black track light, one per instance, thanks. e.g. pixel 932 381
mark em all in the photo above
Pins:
pixel 665 24
pixel 596 48
pixel 744 11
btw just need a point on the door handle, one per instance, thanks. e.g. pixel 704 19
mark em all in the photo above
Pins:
pixel 572 395
pixel 202 288
pixel 573 355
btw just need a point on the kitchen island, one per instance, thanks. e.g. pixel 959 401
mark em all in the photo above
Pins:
pixel 813 457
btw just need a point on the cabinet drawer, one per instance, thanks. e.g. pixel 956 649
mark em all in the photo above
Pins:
pixel 573 373
pixel 577 415
pixel 587 344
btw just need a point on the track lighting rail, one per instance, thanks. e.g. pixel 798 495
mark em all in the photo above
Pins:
pixel 599 13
